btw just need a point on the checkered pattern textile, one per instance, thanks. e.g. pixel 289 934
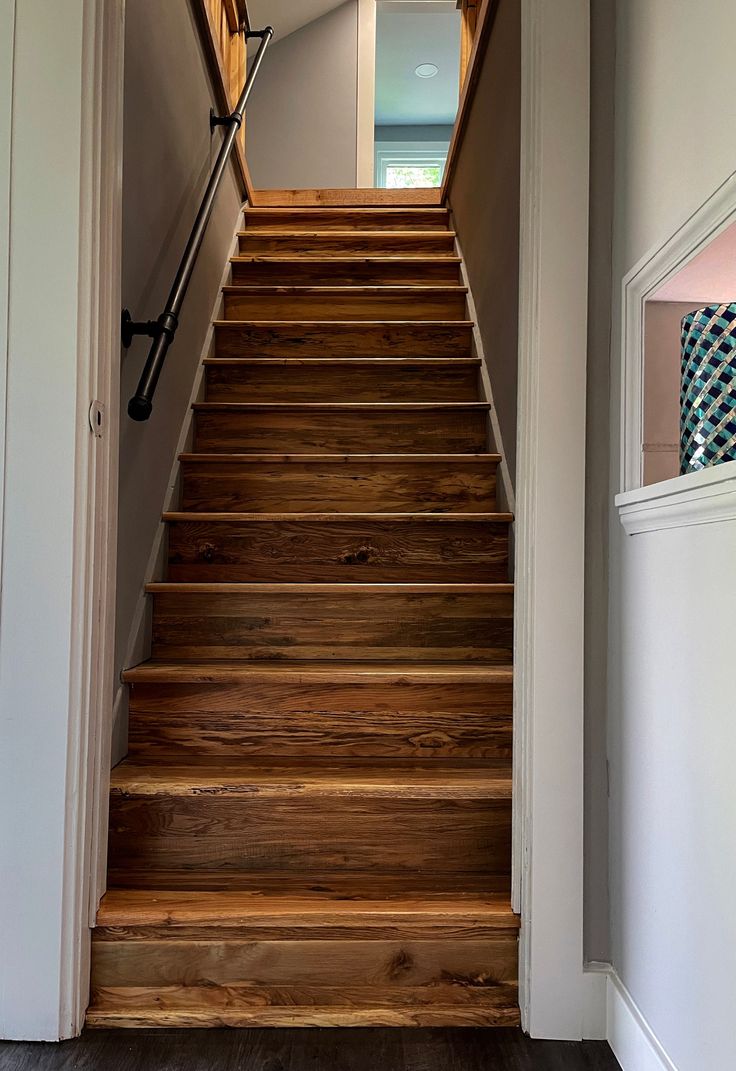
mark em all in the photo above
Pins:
pixel 708 388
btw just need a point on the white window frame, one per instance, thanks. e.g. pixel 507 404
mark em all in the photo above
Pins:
pixel 409 154
pixel 696 497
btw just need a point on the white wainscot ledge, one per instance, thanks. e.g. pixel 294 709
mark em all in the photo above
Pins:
pixel 704 497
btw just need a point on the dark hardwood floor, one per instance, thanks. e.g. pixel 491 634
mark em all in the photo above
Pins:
pixel 307 1050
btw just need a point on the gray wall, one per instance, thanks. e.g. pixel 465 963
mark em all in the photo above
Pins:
pixel 484 197
pixel 402 133
pixel 603 35
pixel 167 157
pixel 672 731
pixel 301 128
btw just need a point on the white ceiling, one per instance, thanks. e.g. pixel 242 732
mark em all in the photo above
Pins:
pixel 405 38
pixel 288 15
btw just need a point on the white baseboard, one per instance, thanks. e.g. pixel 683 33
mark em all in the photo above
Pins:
pixel 632 1039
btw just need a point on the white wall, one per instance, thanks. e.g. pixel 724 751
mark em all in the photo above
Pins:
pixel 44 422
pixel 672 730
pixel 168 153
pixel 301 124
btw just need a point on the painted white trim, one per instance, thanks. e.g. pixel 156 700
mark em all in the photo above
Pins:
pixel 154 567
pixel 639 285
pixel 704 497
pixel 634 1043
pixel 595 997
pixel 550 526
pixel 366 95
pixel 59 522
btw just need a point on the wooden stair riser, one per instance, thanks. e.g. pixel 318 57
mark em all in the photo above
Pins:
pixel 321 244
pixel 345 271
pixel 249 1007
pixel 344 219
pixel 356 381
pixel 427 550
pixel 323 429
pixel 339 485
pixel 345 303
pixel 395 719
pixel 222 837
pixel 192 960
pixel 338 339
pixel 350 623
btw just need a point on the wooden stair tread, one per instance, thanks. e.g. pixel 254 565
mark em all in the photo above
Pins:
pixel 240 671
pixel 357 258
pixel 408 779
pixel 358 407
pixel 284 232
pixel 163 587
pixel 342 518
pixel 495 1007
pixel 232 909
pixel 347 325
pixel 318 459
pixel 380 290
pixel 430 363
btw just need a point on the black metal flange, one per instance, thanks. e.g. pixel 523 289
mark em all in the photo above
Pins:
pixel 129 328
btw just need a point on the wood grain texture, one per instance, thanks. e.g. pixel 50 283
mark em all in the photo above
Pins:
pixel 402 716
pixel 330 428
pixel 343 483
pixel 367 380
pixel 344 271
pixel 347 243
pixel 349 218
pixel 237 914
pixel 337 339
pixel 442 622
pixel 323 547
pixel 345 302
pixel 336 198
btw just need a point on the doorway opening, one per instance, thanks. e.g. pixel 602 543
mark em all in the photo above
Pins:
pixel 417 88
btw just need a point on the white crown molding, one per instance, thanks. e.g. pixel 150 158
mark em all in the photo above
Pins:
pixel 705 497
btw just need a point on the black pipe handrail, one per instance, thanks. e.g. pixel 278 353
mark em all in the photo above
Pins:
pixel 163 330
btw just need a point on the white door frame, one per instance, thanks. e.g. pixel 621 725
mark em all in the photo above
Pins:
pixel 60 510
pixel 550 516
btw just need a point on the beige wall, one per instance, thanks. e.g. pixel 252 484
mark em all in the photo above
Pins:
pixel 662 374
pixel 302 115
pixel 167 157
pixel 484 197
pixel 671 728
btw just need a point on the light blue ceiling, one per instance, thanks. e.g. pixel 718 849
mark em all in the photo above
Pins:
pixel 404 40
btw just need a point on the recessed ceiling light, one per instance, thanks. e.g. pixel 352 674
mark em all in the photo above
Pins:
pixel 426 70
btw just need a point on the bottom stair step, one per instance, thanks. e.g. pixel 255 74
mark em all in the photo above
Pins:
pixel 234 959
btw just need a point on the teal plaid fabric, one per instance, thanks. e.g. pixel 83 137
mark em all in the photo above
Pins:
pixel 708 388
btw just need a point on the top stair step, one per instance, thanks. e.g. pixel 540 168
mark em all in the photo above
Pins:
pixel 345 243
pixel 316 219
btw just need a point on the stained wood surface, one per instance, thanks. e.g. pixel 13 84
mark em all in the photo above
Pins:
pixel 342 219
pixel 332 427
pixel 337 339
pixel 446 622
pixel 323 547
pixel 335 198
pixel 367 380
pixel 317 243
pixel 381 483
pixel 345 302
pixel 313 826
pixel 344 271
pixel 268 1049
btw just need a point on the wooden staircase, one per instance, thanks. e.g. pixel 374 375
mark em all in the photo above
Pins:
pixel 313 826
